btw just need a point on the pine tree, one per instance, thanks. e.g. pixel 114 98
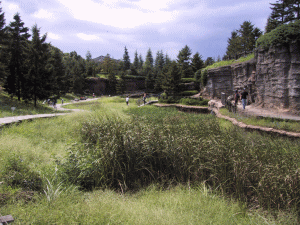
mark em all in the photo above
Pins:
pixel 3 47
pixel 159 65
pixel 197 62
pixel 126 60
pixel 57 74
pixel 141 62
pixel 89 65
pixel 183 60
pixel 148 71
pixel 136 61
pixel 38 79
pixel 18 40
pixel 172 80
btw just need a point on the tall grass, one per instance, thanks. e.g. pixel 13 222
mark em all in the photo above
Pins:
pixel 166 146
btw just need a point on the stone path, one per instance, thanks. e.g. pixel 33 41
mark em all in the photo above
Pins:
pixel 215 105
pixel 16 119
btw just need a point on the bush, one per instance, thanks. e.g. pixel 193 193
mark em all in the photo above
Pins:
pixel 169 100
pixel 189 93
pixel 194 101
pixel 187 80
pixel 283 34
pixel 204 77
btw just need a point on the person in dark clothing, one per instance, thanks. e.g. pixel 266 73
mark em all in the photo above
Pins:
pixel 244 98
pixel 236 97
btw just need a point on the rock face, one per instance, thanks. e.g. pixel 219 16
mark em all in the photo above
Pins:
pixel 278 77
pixel 272 78
pixel 219 80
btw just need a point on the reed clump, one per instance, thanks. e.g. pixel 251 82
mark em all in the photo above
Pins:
pixel 166 146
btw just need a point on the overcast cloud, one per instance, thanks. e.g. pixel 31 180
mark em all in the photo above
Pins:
pixel 107 26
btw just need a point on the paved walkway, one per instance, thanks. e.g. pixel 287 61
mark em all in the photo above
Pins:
pixel 15 119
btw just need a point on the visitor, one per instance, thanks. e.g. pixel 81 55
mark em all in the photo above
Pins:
pixel 127 100
pixel 236 97
pixel 62 101
pixel 144 98
pixel 93 95
pixel 244 98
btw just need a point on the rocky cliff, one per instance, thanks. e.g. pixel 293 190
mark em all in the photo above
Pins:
pixel 278 77
pixel 272 78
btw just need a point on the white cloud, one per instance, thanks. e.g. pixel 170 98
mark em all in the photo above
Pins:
pixel 109 13
pixel 43 14
pixel 88 37
pixel 53 36
pixel 13 7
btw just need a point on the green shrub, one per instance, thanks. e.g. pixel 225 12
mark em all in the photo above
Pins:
pixel 187 80
pixel 283 34
pixel 169 100
pixel 193 101
pixel 189 93
pixel 134 77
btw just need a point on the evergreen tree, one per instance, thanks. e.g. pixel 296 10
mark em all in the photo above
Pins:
pixel 172 80
pixel 18 40
pixel 3 47
pixel 197 62
pixel 248 36
pixel 148 71
pixel 126 60
pixel 141 62
pixel 136 61
pixel 89 64
pixel 38 79
pixel 159 65
pixel 57 74
pixel 209 61
pixel 183 60
pixel 282 11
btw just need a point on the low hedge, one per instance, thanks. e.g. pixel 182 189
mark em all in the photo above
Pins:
pixel 194 101
pixel 189 93
pixel 187 80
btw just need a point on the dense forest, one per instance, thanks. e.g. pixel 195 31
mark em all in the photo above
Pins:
pixel 32 69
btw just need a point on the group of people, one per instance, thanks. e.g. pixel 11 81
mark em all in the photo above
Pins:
pixel 241 96
pixel 144 99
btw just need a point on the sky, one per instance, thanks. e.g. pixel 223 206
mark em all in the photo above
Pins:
pixel 107 26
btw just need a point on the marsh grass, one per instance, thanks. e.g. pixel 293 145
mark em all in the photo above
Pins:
pixel 169 147
pixel 281 124
pixel 129 149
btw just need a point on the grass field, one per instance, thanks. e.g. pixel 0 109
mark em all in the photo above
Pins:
pixel 119 164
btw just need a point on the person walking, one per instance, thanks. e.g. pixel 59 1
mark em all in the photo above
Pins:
pixel 244 98
pixel 62 101
pixel 127 100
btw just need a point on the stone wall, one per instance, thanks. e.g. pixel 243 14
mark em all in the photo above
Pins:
pixel 278 77
pixel 272 78
pixel 219 80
